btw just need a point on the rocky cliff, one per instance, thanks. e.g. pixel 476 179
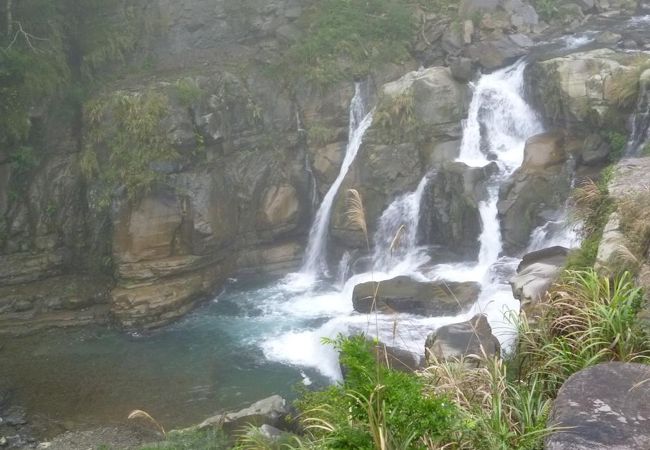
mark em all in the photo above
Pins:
pixel 240 142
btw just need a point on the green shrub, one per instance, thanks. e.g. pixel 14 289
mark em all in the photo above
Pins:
pixel 375 407
pixel 617 142
pixel 344 39
pixel 547 9
pixel 587 319
pixel 129 127
pixel 188 91
pixel 592 208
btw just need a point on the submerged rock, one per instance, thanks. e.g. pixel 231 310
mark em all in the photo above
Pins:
pixel 469 341
pixel 603 407
pixel 406 295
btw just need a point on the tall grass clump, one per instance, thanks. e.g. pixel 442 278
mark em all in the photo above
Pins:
pixel 591 209
pixel 625 84
pixel 634 214
pixel 497 412
pixel 587 319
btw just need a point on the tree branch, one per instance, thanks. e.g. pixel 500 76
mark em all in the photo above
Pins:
pixel 28 37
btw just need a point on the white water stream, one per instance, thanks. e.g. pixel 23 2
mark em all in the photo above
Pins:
pixel 315 261
pixel 498 124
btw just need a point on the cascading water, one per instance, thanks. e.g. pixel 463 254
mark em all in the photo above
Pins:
pixel 640 122
pixel 395 240
pixel 315 261
pixel 499 122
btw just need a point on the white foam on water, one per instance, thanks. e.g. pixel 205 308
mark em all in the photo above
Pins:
pixel 498 124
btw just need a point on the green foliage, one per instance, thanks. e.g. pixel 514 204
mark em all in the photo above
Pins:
pixel 498 412
pixel 547 9
pixel 592 207
pixel 188 91
pixel 588 319
pixel 192 439
pixel 375 407
pixel 634 214
pixel 617 142
pixel 23 159
pixel 129 127
pixel 625 84
pixel 344 39
pixel 319 134
pixel 395 117
pixel 54 50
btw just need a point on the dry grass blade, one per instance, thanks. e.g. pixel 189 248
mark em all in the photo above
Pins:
pixel 140 414
pixel 397 239
pixel 356 213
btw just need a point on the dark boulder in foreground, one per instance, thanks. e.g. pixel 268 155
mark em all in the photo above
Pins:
pixel 468 341
pixel 603 407
pixel 406 295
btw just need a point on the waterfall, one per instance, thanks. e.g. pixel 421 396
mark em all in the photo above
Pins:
pixel 640 123
pixel 315 261
pixel 498 124
pixel 402 216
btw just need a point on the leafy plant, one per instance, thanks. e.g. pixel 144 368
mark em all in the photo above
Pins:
pixel 375 407
pixel 617 142
pixel 129 127
pixel 345 39
pixel 547 9
pixel 587 319
pixel 395 117
pixel 592 207
pixel 188 91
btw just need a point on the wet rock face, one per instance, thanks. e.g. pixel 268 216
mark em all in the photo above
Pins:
pixel 603 407
pixel 403 294
pixel 541 184
pixel 390 164
pixel 450 216
pixel 464 341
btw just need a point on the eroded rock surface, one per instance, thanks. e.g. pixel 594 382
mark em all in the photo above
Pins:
pixel 603 407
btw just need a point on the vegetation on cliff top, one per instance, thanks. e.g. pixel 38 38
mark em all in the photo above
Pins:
pixel 344 40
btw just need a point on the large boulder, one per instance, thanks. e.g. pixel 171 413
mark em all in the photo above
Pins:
pixel 535 275
pixel 270 411
pixel 540 186
pixel 574 89
pixel 468 341
pixel 493 54
pixel 406 295
pixel 450 216
pixel 603 407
